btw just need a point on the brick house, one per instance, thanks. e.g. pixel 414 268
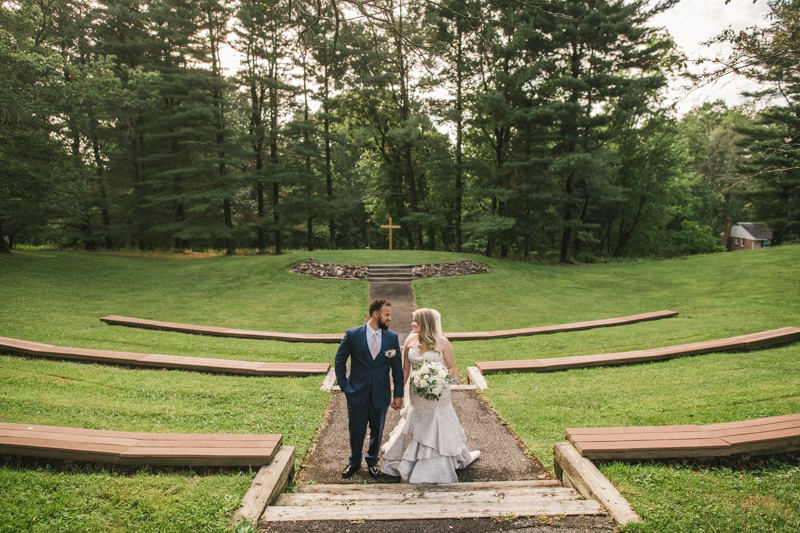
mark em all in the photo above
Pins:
pixel 744 236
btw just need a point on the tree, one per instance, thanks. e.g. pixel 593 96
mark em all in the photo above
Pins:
pixel 709 136
pixel 771 57
pixel 603 69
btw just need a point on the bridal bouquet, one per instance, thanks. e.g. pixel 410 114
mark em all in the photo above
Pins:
pixel 430 380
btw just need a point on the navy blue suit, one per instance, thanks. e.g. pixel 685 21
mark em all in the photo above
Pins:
pixel 367 388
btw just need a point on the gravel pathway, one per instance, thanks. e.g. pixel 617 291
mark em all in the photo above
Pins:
pixel 502 456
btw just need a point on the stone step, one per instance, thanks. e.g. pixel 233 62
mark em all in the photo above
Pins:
pixel 382 273
pixel 389 280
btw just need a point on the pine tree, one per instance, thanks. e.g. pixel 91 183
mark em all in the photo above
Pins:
pixel 771 57
pixel 602 69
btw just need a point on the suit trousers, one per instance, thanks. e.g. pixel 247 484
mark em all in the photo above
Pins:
pixel 359 419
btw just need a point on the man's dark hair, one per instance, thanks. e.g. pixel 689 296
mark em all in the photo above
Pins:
pixel 377 305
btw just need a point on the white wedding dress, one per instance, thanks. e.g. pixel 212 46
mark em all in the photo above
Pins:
pixel 428 444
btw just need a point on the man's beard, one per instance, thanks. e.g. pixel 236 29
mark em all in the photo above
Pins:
pixel 383 325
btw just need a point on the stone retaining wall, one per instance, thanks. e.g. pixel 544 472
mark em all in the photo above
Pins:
pixel 453 268
pixel 334 271
pixel 330 270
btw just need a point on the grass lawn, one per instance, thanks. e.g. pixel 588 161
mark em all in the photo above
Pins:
pixel 717 296
pixel 58 297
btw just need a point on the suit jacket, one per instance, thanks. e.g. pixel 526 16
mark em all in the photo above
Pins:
pixel 369 378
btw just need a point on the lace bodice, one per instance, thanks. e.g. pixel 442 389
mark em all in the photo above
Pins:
pixel 416 359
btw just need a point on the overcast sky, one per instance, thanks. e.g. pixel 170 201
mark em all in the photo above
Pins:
pixel 692 22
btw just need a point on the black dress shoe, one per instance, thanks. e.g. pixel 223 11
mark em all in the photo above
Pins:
pixel 350 470
pixel 374 470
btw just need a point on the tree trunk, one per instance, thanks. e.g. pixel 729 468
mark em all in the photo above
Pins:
pixel 262 240
pixel 405 113
pixel 572 133
pixel 566 232
pixel 219 105
pixel 256 105
pixel 4 246
pixel 310 189
pixel 273 148
pixel 230 245
pixel 459 139
pixel 98 166
pixel 328 170
pixel 276 218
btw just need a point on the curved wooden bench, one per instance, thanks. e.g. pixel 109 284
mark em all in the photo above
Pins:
pixel 129 448
pixel 199 364
pixel 775 434
pixel 559 328
pixel 116 320
pixel 753 341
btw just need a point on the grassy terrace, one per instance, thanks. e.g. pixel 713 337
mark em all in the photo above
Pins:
pixel 717 296
pixel 57 298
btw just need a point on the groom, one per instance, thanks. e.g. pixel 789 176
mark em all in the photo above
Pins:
pixel 373 352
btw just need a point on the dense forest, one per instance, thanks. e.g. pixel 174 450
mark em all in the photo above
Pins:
pixel 531 130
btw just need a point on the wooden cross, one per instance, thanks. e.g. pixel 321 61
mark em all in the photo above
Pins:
pixel 390 231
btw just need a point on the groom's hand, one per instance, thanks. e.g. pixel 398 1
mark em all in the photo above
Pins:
pixel 397 404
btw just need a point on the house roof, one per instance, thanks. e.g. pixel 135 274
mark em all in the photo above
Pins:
pixel 748 230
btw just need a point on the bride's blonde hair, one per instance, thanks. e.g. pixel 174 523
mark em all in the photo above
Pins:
pixel 426 321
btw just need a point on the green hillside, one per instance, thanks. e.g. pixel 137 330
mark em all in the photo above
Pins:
pixel 58 298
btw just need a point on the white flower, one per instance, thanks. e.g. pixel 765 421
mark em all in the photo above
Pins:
pixel 416 381
pixel 442 373
pixel 436 391
pixel 423 384
pixel 390 353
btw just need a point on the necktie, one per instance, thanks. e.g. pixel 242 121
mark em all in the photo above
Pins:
pixel 375 346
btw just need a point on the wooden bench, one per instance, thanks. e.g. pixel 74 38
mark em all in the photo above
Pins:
pixel 115 320
pixel 754 341
pixel 128 448
pixel 559 328
pixel 199 364
pixel 776 434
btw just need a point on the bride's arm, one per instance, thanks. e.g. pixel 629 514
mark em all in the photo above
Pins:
pixel 406 362
pixel 449 358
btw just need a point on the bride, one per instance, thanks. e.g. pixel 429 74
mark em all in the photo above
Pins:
pixel 428 444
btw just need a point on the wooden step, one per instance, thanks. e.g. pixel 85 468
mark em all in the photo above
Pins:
pixel 115 320
pixel 130 448
pixel 445 487
pixel 397 501
pixel 198 364
pixel 760 436
pixel 753 341
pixel 416 511
pixel 389 497
pixel 559 328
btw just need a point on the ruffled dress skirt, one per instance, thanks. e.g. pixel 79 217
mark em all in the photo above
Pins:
pixel 429 445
